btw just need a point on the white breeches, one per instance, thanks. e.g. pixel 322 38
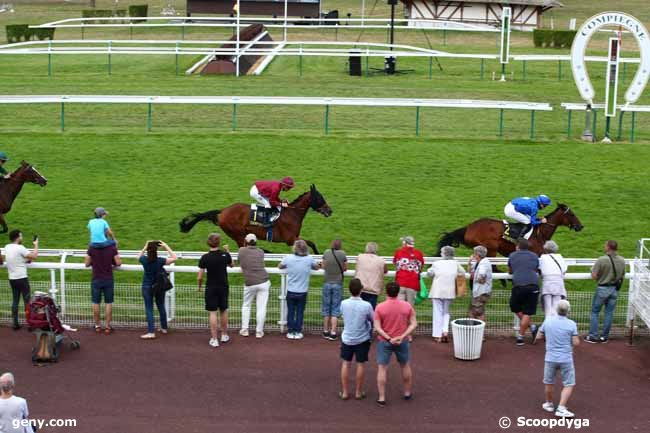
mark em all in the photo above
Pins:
pixel 511 213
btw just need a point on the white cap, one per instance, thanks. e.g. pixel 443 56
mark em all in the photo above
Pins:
pixel 250 238
pixel 408 240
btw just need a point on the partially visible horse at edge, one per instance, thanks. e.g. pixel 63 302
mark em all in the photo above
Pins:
pixel 489 233
pixel 10 188
pixel 234 220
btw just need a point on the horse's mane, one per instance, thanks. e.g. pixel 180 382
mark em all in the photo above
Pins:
pixel 300 197
pixel 23 166
pixel 560 207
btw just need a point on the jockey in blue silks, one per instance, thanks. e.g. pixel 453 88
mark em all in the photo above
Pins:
pixel 524 210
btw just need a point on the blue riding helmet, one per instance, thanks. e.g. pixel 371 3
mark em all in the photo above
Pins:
pixel 543 200
pixel 3 156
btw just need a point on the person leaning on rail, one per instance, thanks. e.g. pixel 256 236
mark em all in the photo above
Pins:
pixel 153 265
pixel 299 266
pixel 256 285
pixel 16 258
pixel 481 278
pixel 552 267
pixel 334 263
pixel 443 292
pixel 370 269
pixel 609 272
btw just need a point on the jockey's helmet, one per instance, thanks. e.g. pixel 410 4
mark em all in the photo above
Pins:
pixel 3 157
pixel 543 200
pixel 288 182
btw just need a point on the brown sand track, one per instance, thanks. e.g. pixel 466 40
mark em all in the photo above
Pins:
pixel 119 384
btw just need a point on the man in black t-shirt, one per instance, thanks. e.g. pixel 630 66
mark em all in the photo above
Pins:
pixel 215 262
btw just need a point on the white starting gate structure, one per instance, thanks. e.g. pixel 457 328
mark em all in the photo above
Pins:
pixel 639 298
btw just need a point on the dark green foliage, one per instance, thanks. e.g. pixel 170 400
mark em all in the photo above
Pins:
pixel 18 32
pixel 544 38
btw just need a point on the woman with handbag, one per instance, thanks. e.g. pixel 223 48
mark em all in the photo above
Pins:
pixel 552 267
pixel 443 291
pixel 153 266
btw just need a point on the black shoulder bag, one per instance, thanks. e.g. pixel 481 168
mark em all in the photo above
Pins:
pixel 618 282
pixel 162 284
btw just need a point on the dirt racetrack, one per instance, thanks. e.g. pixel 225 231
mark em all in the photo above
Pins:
pixel 120 384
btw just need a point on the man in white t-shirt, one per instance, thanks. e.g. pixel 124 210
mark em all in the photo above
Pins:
pixel 16 258
pixel 13 410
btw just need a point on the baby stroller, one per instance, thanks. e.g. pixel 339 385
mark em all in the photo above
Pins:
pixel 47 327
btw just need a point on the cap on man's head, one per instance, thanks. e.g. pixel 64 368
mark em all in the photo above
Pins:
pixel 250 238
pixel 408 240
pixel 100 212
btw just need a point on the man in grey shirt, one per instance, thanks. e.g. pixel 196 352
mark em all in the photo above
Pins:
pixel 334 264
pixel 355 340
pixel 524 267
pixel 256 285
pixel 13 410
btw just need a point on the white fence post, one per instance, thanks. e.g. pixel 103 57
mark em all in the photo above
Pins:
pixel 283 302
pixel 170 297
pixel 64 255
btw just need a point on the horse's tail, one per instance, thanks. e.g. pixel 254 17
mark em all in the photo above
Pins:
pixel 454 239
pixel 190 221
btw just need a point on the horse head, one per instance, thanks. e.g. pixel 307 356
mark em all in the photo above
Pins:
pixel 564 216
pixel 29 174
pixel 318 203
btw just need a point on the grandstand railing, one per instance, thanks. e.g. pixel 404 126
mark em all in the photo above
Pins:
pixel 186 309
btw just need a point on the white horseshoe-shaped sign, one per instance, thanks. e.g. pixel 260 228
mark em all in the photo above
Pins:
pixel 583 36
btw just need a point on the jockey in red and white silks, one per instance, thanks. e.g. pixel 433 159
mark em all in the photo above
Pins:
pixel 267 192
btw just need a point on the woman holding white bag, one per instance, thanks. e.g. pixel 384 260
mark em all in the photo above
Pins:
pixel 443 292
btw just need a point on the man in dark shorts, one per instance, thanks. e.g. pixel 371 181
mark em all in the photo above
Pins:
pixel 216 262
pixel 355 339
pixel 102 261
pixel 524 267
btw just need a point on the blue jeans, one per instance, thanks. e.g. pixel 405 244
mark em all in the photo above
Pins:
pixel 332 297
pixel 295 311
pixel 604 296
pixel 147 294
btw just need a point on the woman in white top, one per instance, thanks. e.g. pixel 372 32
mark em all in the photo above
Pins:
pixel 552 267
pixel 443 291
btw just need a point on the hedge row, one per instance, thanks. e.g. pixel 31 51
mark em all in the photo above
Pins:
pixel 553 38
pixel 101 13
pixel 18 32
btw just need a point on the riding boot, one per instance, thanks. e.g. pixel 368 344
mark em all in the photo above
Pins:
pixel 525 230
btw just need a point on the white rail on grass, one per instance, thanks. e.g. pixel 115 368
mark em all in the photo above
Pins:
pixel 581 106
pixel 228 22
pixel 275 100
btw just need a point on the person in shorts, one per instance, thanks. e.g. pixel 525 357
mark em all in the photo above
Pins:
pixel 561 334
pixel 408 262
pixel 355 339
pixel 334 263
pixel 102 260
pixel 394 322
pixel 524 267
pixel 216 263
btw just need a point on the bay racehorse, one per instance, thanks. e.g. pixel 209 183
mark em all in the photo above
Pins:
pixel 489 233
pixel 234 220
pixel 10 188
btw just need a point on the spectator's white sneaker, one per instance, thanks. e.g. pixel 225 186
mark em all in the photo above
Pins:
pixel 214 342
pixel 299 336
pixel 225 338
pixel 243 332
pixel 564 412
pixel 291 336
pixel 259 334
pixel 148 336
pixel 548 406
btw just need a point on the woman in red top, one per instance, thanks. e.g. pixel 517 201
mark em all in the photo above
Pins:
pixel 408 262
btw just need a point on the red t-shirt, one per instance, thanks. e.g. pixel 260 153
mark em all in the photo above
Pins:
pixel 393 316
pixel 408 262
